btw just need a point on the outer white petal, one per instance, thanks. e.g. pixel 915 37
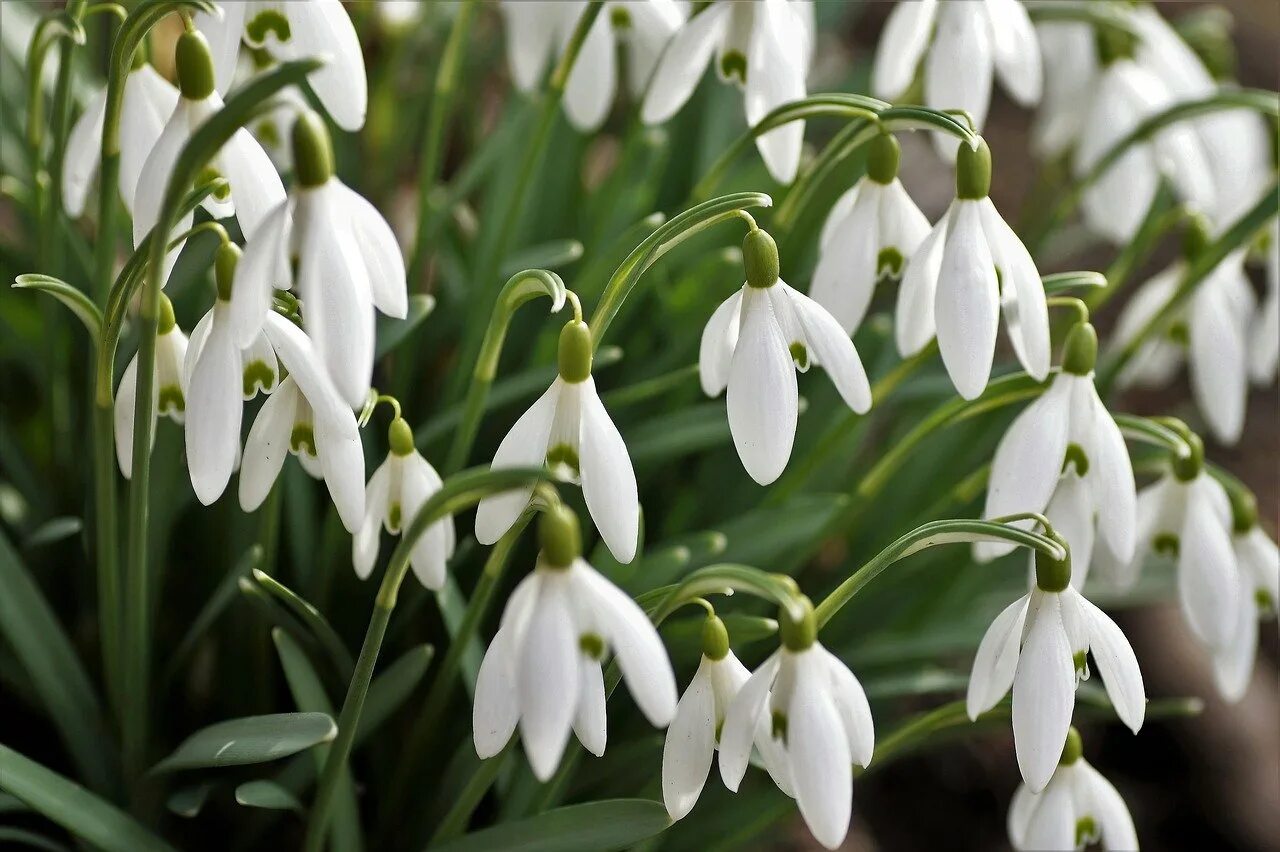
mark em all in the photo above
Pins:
pixel 1053 823
pixel 773 40
pixel 547 678
pixel 259 354
pixel 829 347
pixel 1072 515
pixel 652 26
pixel 1109 811
pixel 740 722
pixel 966 305
pixel 834 223
pixel 996 661
pixel 1233 665
pixel 1017 51
pixel 1208 585
pixel 126 401
pixel 1021 808
pixel 902 225
pixel 1259 563
pixel 364 545
pixel 690 745
pixel 608 481
pixel 223 34
pixel 902 43
pixel 1219 372
pixel 155 177
pixel 267 445
pixel 719 338
pixel 418 481
pixel 322 27
pixel 255 187
pixel 589 722
pixel 1117 665
pixel 958 69
pixel 525 445
pixel 819 753
pixel 594 78
pixel 214 409
pixel 762 399
pixel 682 64
pixel 845 277
pixel 1044 692
pixel 1156 363
pixel 915 325
pixel 496 707
pixel 851 703
pixel 530 33
pixel 380 251
pixel 263 267
pixel 148 101
pixel 1111 480
pixel 80 159
pixel 1022 299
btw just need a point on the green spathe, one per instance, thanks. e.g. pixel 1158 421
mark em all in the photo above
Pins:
pixel 973 171
pixel 559 536
pixel 883 156
pixel 715 638
pixel 312 150
pixel 760 258
pixel 575 351
pixel 1080 352
pixel 194 63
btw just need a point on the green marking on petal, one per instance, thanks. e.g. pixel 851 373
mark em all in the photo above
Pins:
pixel 1167 544
pixel 302 439
pixel 209 174
pixel 563 455
pixel 719 728
pixel 619 17
pixel 889 263
pixel 258 376
pixel 1263 598
pixel 734 65
pixel 1076 456
pixel 1179 333
pixel 1079 659
pixel 394 518
pixel 1086 830
pixel 171 400
pixel 268 134
pixel 592 644
pixel 778 726
pixel 268 21
pixel 800 355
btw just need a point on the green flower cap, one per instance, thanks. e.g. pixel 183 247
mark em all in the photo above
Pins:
pixel 715 638
pixel 1073 749
pixel 1053 575
pixel 224 269
pixel 1187 469
pixel 575 352
pixel 883 156
pixel 1080 352
pixel 194 62
pixel 312 150
pixel 166 321
pixel 760 258
pixel 559 536
pixel 400 437
pixel 973 171
pixel 798 634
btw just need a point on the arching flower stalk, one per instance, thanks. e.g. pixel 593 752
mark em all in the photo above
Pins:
pixel 169 386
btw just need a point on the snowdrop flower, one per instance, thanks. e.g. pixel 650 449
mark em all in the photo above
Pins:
pixel 348 263
pixel 969 42
pixel 969 268
pixel 754 343
pixel 148 100
pixel 396 492
pixel 292 30
pixel 1065 452
pixel 817 726
pixel 569 430
pixel 695 730
pixel 169 388
pixel 1264 333
pixel 220 377
pixel 253 187
pixel 542 670
pixel 1071 72
pixel 765 48
pixel 1077 809
pixel 871 231
pixel 538 30
pixel 307 417
pixel 1259 593
pixel 1038 645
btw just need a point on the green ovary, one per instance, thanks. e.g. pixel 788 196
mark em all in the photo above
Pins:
pixel 302 439
pixel 257 375
pixel 209 174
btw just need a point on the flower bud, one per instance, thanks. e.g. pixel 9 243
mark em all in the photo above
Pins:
pixel 760 258
pixel 1053 575
pixel 312 150
pixel 194 63
pixel 973 171
pixel 400 437
pixel 883 155
pixel 224 269
pixel 1073 749
pixel 575 351
pixel 559 536
pixel 798 634
pixel 1080 352
pixel 715 638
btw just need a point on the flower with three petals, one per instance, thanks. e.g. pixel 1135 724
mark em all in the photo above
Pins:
pixel 169 387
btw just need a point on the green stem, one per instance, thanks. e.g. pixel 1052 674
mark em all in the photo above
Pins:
pixel 455 821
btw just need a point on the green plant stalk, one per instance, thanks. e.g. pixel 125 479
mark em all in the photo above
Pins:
pixel 455 821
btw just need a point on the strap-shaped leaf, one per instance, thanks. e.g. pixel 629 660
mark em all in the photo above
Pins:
pixel 74 300
pixel 251 739
pixel 593 827
pixel 268 795
pixel 392 332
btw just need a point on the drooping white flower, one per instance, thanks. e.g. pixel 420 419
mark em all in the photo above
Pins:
pixel 818 725
pixel 169 387
pixel 765 48
pixel 307 417
pixel 967 43
pixel 396 492
pixel 1065 454
pixel 869 233
pixel 969 269
pixel 1264 333
pixel 1038 646
pixel 295 30
pixel 569 430
pixel 538 30
pixel 754 343
pixel 348 264
pixel 1071 70
pixel 253 187
pixel 542 670
pixel 695 730
pixel 147 102
pixel 1258 597
pixel 1078 808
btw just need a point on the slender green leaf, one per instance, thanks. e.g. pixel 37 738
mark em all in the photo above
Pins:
pixel 22 837
pixel 551 255
pixel 187 802
pixel 390 689
pixel 75 300
pixel 392 332
pixel 214 606
pixel 312 618
pixel 267 794
pixel 251 739
pixel 593 827
pixel 53 531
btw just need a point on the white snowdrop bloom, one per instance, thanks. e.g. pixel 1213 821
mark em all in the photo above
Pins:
pixel 818 725
pixel 169 387
pixel 538 30
pixel 569 430
pixel 220 376
pixel 869 233
pixel 967 271
pixel 695 730
pixel 764 47
pixel 307 417
pixel 253 187
pixel 754 343
pixel 1264 333
pixel 968 43
pixel 148 100
pixel 1071 71
pixel 1259 593
pixel 348 264
pixel 542 670
pixel 1038 646
pixel 1078 808
pixel 1064 452
pixel 399 14
pixel 289 30
pixel 396 492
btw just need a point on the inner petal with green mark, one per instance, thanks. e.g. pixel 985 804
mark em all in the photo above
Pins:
pixel 800 355
pixel 170 401
pixel 258 376
pixel 1086 830
pixel 733 65
pixel 889 263
pixel 592 644
pixel 302 439
pixel 778 726
pixel 394 518
pixel 1166 544
pixel 564 456
pixel 1076 455
pixel 268 21
pixel 209 174
pixel 1179 333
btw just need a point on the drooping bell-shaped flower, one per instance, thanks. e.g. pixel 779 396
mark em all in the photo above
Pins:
pixel 1038 646
pixel 253 187
pixel 808 716
pixel 695 730
pixel 1066 453
pixel 1071 69
pixel 1264 331
pixel 1077 809
pixel 1258 597
pixel 169 387
pixel 307 417
pixel 969 269
pixel 542 670
pixel 569 430
pixel 538 30
pixel 295 30
pixel 348 264
pixel 967 44
pixel 146 104
pixel 396 492
pixel 765 48
pixel 871 231
pixel 754 343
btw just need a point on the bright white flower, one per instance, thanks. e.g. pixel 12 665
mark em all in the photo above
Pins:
pixel 1259 575
pixel 538 30
pixel 970 42
pixel 348 263
pixel 295 30
pixel 969 269
pixel 147 102
pixel 569 430
pixel 396 492
pixel 1264 334
pixel 869 233
pixel 169 387
pixel 399 14
pixel 307 417
pixel 1078 808
pixel 695 730
pixel 1038 645
pixel 542 670
pixel 754 343
pixel 818 725
pixel 1071 70
pixel 764 47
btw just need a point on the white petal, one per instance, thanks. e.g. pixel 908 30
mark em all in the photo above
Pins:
pixel 322 27
pixel 1053 823
pixel 1021 809
pixel 1017 52
pixel 380 251
pixel 652 26
pixel 496 707
pixel 594 78
pixel 1108 811
pixel 255 187
pixel 682 64
pixel 782 81
pixel 547 678
pixel 915 325
pixel 845 277
pixel 1233 664
pixel 148 101
pixel 1207 573
pixel 1219 372
pixel 83 150
pixel 762 399
pixel 851 703
pixel 430 555
pixel 830 347
pixel 267 445
pixel 1044 692
pixel 719 338
pixel 364 545
pixel 223 34
pixel 835 221
pixel 589 722
pixel 524 446
pixel 1259 563
pixel 996 660
pixel 214 409
pixel 154 178
pixel 1022 299
pixel 958 69
pixel 608 481
pixel 263 267
pixel 967 303
pixel 126 402
pixel 740 720
pixel 1071 513
pixel 1111 480
pixel 530 34
pixel 902 225
pixel 819 753
pixel 902 43
pixel 1117 665
pixel 689 747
